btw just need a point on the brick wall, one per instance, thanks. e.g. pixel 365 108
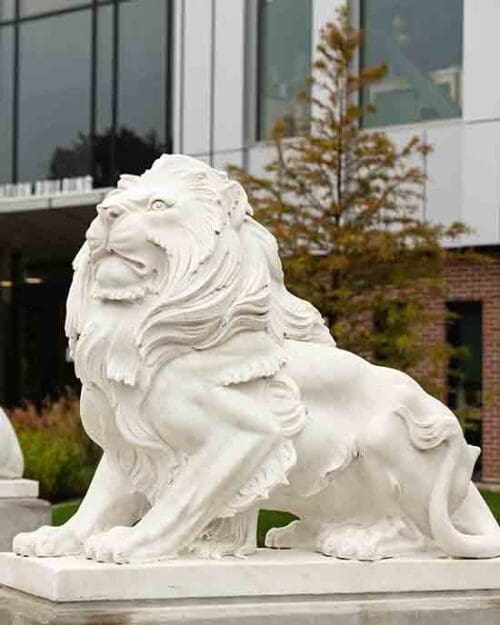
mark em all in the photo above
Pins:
pixel 480 282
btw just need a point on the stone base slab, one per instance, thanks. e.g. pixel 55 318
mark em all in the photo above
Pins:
pixel 21 515
pixel 440 608
pixel 266 574
pixel 19 488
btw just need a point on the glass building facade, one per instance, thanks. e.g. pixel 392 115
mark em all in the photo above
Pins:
pixel 421 43
pixel 284 64
pixel 84 88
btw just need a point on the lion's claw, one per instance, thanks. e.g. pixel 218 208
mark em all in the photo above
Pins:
pixel 118 545
pixel 47 542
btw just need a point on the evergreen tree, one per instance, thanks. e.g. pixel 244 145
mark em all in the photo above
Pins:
pixel 345 204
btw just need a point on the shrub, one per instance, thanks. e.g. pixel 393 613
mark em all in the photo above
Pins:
pixel 57 452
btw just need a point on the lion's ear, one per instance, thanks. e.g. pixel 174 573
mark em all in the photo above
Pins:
pixel 126 181
pixel 236 203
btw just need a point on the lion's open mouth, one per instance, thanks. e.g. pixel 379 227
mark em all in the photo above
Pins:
pixel 137 264
pixel 120 276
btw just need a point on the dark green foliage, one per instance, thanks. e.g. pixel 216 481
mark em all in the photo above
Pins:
pixel 57 452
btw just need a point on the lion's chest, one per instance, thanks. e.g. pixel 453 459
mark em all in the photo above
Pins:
pixel 106 352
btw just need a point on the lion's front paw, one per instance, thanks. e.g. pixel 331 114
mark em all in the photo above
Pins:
pixel 122 545
pixel 114 545
pixel 47 542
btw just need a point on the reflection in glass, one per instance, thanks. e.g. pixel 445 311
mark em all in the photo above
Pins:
pixel 55 96
pixel 284 64
pixel 6 101
pixel 54 93
pixel 142 71
pixel 132 154
pixel 464 331
pixel 6 9
pixel 421 42
pixel 36 7
pixel 104 73
pixel 465 369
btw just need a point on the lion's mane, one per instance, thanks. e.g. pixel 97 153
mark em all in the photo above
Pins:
pixel 221 278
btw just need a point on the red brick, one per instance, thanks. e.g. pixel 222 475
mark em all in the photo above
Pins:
pixel 479 283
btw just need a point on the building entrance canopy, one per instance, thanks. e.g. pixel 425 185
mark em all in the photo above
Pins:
pixel 47 228
pixel 39 237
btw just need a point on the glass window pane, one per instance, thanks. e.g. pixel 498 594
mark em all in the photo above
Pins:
pixel 6 9
pixel 54 96
pixel 36 7
pixel 421 42
pixel 6 101
pixel 103 140
pixel 141 83
pixel 465 369
pixel 464 331
pixel 104 68
pixel 284 64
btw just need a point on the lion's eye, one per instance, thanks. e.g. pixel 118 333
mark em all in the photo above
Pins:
pixel 160 205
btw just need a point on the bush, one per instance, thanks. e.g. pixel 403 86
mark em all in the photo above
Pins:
pixel 57 452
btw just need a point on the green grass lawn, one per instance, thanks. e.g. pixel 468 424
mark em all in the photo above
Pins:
pixel 61 512
pixel 493 500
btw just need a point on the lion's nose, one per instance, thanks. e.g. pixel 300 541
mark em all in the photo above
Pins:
pixel 110 213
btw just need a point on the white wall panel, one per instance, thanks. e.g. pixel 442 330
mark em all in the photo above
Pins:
pixel 197 76
pixel 481 85
pixel 401 135
pixel 481 181
pixel 222 159
pixel 444 171
pixel 229 75
pixel 258 156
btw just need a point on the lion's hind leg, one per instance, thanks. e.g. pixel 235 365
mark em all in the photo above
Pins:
pixel 387 538
pixel 299 534
pixel 432 426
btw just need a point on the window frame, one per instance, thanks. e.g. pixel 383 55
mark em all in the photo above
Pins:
pixel 252 104
pixel 357 13
pixel 93 6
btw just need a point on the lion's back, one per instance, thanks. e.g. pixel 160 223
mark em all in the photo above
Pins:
pixel 319 366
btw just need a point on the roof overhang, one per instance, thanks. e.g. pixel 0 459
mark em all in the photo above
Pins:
pixel 48 227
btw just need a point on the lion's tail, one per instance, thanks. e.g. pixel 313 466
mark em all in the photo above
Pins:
pixel 446 535
pixel 430 425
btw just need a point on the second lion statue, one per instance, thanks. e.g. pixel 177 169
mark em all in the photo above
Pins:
pixel 212 389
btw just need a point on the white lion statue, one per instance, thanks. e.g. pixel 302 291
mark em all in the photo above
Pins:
pixel 11 456
pixel 213 392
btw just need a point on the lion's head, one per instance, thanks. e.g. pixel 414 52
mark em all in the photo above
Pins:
pixel 159 227
pixel 180 241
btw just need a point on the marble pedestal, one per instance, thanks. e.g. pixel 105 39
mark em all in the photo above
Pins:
pixel 20 510
pixel 19 488
pixel 286 587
